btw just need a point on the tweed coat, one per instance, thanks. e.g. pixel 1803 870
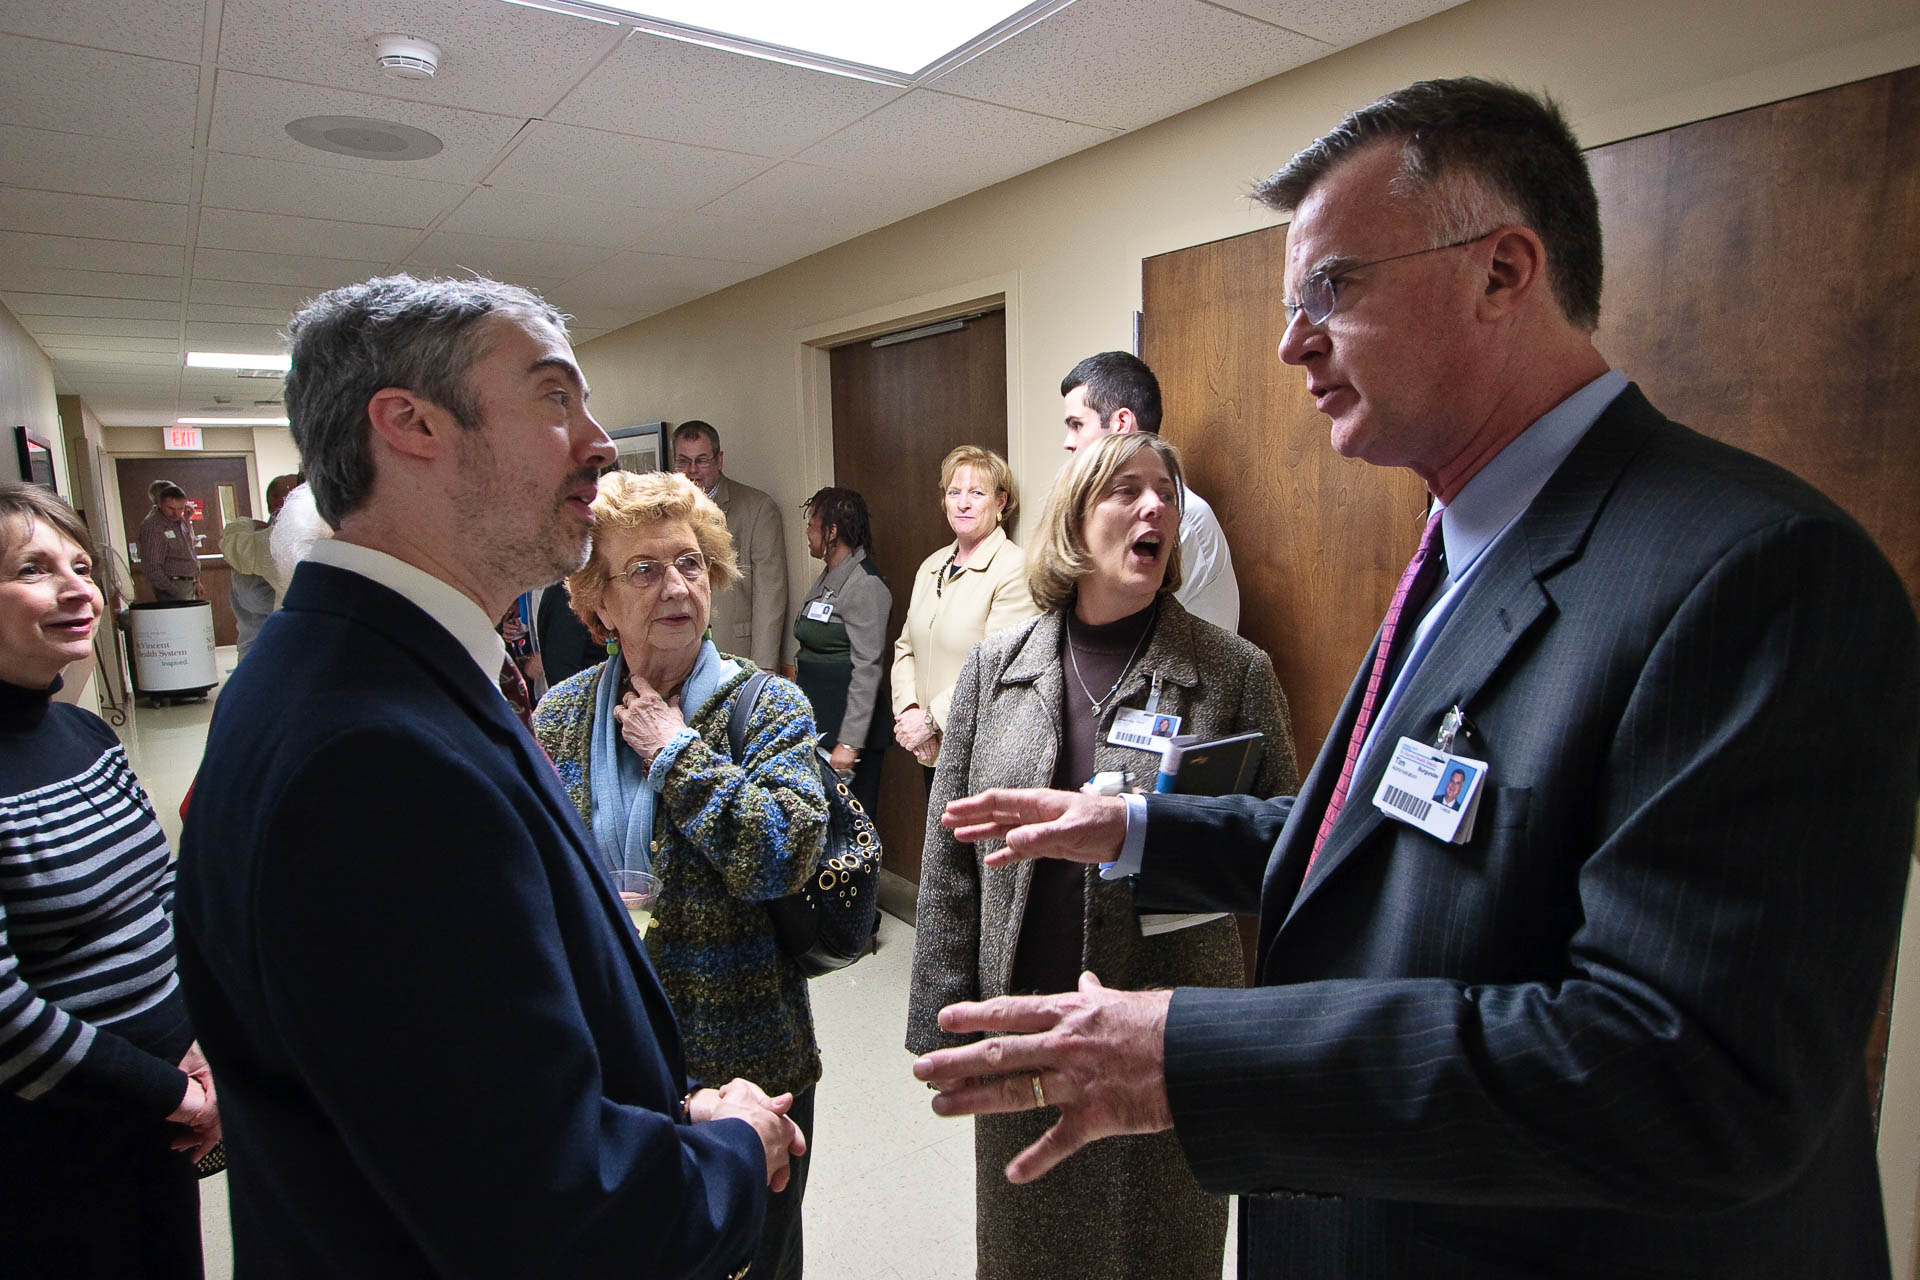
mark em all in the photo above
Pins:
pixel 1127 1207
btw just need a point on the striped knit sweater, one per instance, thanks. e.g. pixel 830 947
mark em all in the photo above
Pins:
pixel 87 985
pixel 725 840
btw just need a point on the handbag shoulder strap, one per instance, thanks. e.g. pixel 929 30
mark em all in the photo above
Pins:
pixel 743 704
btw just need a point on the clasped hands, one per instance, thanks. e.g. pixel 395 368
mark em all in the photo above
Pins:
pixel 1095 1053
pixel 739 1099
pixel 915 734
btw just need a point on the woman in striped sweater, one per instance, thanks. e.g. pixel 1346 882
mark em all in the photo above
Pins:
pixel 104 1099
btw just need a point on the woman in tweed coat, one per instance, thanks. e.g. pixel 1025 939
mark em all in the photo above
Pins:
pixel 640 742
pixel 1035 706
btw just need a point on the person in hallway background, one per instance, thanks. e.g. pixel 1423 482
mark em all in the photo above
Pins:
pixel 168 558
pixel 565 644
pixel 749 617
pixel 962 593
pixel 1617 1030
pixel 1115 392
pixel 842 633
pixel 440 1046
pixel 105 1101
pixel 642 747
pixel 1040 705
pixel 247 546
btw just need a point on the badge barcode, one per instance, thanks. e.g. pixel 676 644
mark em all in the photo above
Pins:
pixel 1411 805
pixel 1129 739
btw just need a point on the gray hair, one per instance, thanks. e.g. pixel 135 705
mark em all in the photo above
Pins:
pixel 1477 155
pixel 394 331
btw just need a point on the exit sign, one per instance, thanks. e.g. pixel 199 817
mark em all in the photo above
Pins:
pixel 183 438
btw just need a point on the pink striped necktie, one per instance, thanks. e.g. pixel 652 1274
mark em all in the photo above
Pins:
pixel 1415 585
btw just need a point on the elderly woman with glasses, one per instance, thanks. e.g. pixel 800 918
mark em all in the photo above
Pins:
pixel 1111 661
pixel 641 745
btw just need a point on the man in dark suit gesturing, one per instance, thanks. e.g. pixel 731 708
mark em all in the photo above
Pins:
pixel 441 1049
pixel 1612 1024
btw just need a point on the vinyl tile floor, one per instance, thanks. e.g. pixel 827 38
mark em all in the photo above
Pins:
pixel 890 1196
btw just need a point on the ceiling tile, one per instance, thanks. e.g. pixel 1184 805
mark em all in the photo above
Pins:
pixel 264 232
pixel 661 88
pixel 311 274
pixel 109 95
pixel 53 304
pixel 202 336
pixel 639 284
pixel 92 255
pixel 237 295
pixel 234 315
pixel 1341 22
pixel 92 284
pixel 778 236
pixel 251 114
pixel 566 162
pixel 812 195
pixel 96 166
pixel 98 217
pixel 160 28
pixel 101 326
pixel 504 58
pixel 949 143
pixel 100 342
pixel 529 215
pixel 452 254
pixel 1103 62
pixel 275 186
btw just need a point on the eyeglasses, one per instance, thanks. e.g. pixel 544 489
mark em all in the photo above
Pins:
pixel 651 575
pixel 1320 290
pixel 702 460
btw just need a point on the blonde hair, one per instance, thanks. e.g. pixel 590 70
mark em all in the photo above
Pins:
pixel 636 500
pixel 1058 558
pixel 992 465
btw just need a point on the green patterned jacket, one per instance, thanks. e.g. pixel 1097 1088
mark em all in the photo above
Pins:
pixel 725 840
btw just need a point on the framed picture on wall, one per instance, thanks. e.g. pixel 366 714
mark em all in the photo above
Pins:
pixel 639 448
pixel 36 458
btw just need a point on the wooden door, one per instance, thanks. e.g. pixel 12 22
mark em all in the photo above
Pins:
pixel 214 486
pixel 1760 286
pixel 897 411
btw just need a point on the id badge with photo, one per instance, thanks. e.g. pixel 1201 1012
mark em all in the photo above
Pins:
pixel 820 611
pixel 1144 730
pixel 1431 789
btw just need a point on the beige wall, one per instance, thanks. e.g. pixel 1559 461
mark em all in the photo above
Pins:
pixel 1063 245
pixel 27 399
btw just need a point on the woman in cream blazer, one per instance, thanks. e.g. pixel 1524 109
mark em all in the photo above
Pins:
pixel 962 593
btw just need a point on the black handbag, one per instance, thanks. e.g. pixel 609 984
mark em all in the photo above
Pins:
pixel 829 923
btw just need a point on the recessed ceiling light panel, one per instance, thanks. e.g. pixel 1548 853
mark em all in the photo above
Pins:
pixel 883 34
pixel 238 360
pixel 364 138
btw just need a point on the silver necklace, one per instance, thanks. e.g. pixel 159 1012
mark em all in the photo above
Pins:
pixel 1099 704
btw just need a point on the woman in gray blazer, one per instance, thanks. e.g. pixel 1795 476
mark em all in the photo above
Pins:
pixel 1052 703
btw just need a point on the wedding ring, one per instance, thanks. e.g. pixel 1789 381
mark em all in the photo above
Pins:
pixel 1039 1093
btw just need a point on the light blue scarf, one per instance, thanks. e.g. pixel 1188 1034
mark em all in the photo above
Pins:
pixel 624 791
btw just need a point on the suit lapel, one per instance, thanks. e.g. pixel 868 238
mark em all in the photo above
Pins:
pixel 1509 595
pixel 366 603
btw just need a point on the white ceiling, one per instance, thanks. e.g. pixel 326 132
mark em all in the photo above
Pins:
pixel 151 200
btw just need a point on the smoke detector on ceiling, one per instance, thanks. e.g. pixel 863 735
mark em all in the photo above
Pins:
pixel 406 57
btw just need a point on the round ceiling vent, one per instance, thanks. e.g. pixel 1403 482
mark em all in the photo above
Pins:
pixel 364 138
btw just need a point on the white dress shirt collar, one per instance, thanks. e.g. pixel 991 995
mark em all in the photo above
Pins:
pixel 462 618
